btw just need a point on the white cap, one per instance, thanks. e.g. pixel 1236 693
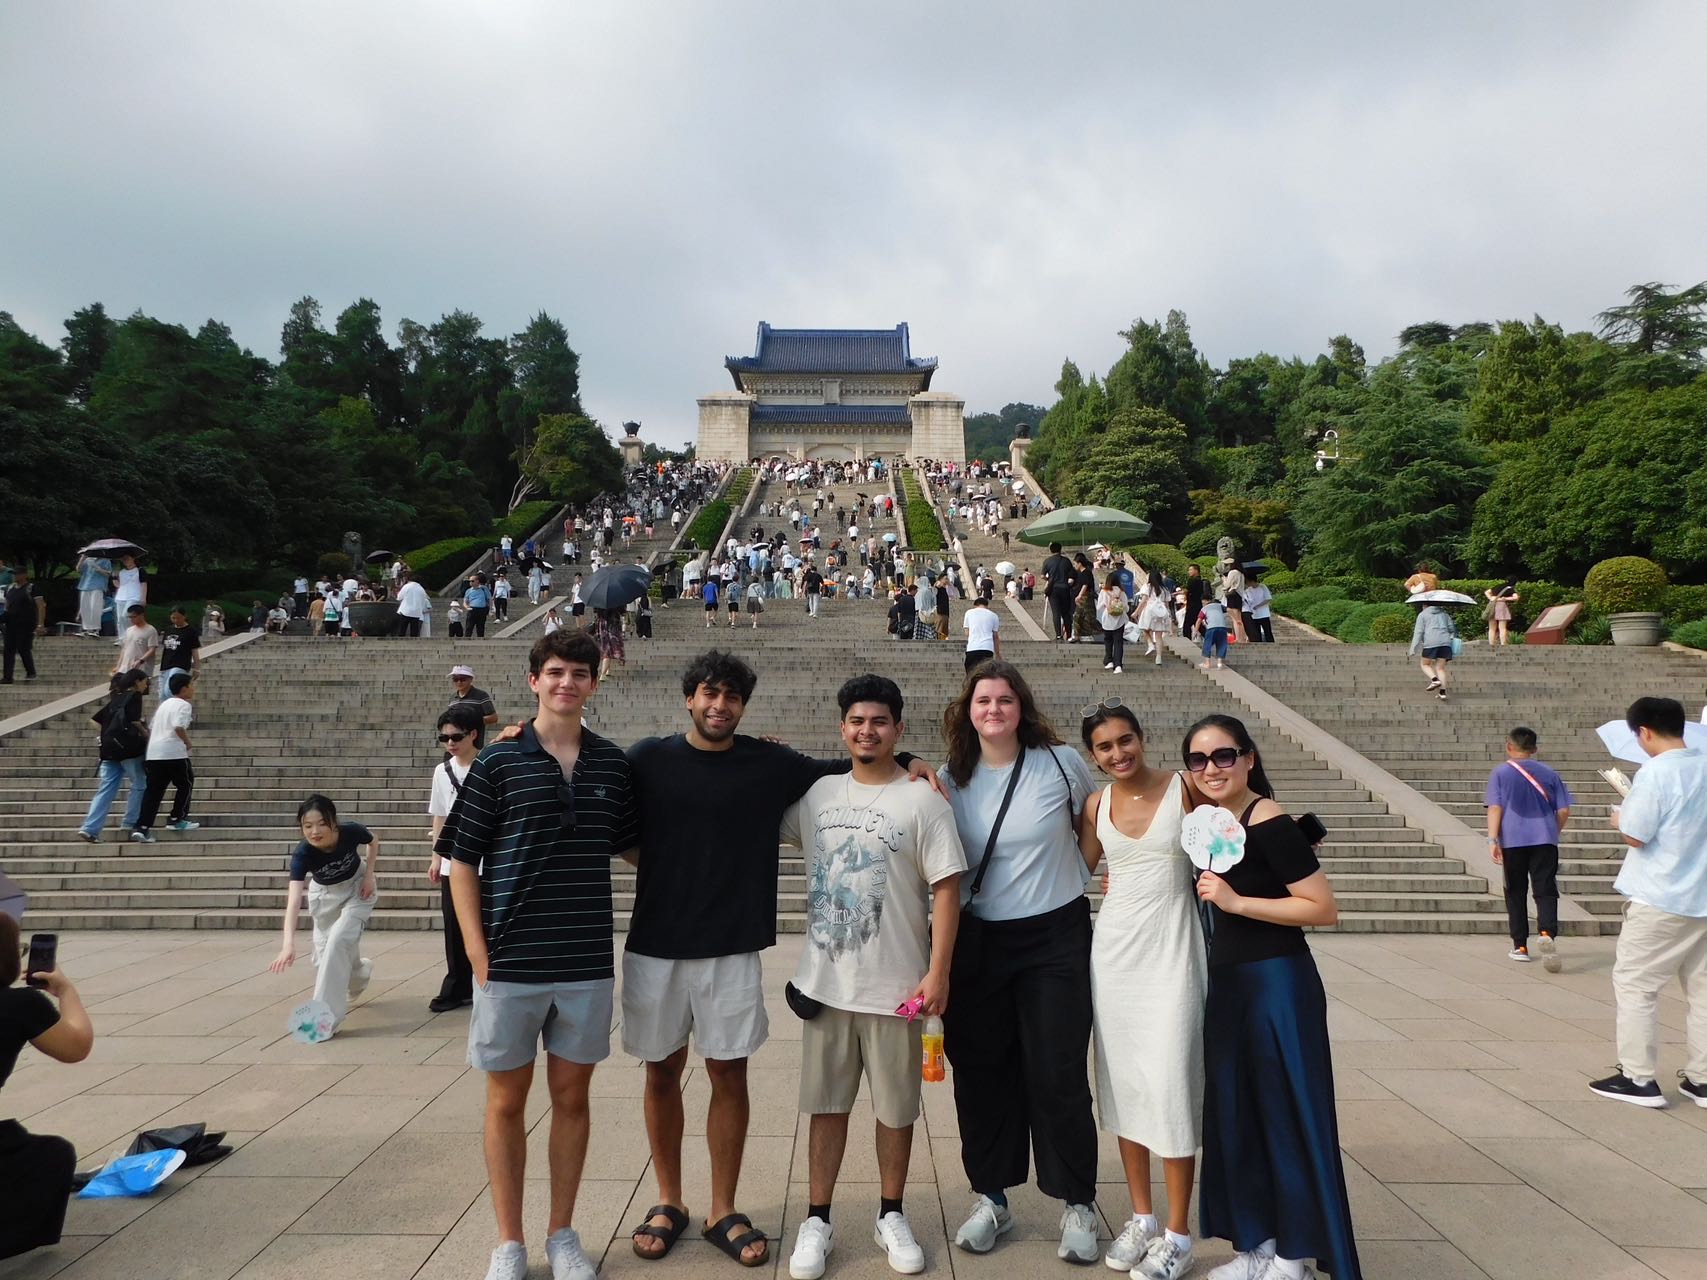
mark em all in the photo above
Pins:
pixel 461 670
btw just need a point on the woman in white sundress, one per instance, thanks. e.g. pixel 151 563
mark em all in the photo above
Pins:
pixel 1155 615
pixel 1149 978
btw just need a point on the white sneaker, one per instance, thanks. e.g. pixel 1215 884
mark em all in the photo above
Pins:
pixel 1078 1234
pixel 1120 671
pixel 1108 666
pixel 1549 954
pixel 1129 1245
pixel 1164 1260
pixel 1244 1266
pixel 569 1261
pixel 987 1221
pixel 509 1262
pixel 894 1235
pixel 360 976
pixel 811 1247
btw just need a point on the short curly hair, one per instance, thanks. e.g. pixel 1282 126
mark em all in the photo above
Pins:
pixel 720 670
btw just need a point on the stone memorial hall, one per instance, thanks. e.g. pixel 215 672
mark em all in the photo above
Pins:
pixel 831 394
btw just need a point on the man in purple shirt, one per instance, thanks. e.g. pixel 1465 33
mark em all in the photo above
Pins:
pixel 1528 806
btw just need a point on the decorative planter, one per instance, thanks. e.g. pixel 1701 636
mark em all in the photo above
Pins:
pixel 379 617
pixel 1635 629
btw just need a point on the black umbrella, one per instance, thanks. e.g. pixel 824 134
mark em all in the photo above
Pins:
pixel 1254 566
pixel 379 557
pixel 615 585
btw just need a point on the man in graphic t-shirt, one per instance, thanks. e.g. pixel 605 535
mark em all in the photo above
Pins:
pixel 180 649
pixel 1058 586
pixel 883 867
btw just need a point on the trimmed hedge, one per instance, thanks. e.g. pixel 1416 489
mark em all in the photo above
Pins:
pixel 1292 604
pixel 1359 624
pixel 524 521
pixel 924 532
pixel 1392 628
pixel 1684 604
pixel 435 564
pixel 1159 556
pixel 1328 615
pixel 707 526
pixel 1693 634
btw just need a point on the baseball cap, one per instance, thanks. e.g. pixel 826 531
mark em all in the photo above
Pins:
pixel 460 670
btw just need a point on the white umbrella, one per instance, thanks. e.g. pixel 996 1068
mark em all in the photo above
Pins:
pixel 1620 740
pixel 1006 568
pixel 1439 597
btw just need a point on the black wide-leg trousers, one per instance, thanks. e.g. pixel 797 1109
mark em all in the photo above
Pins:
pixel 1018 1033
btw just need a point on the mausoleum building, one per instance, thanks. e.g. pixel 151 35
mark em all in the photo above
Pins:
pixel 831 394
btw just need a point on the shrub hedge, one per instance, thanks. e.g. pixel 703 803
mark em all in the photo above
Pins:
pixel 1157 555
pixel 1328 615
pixel 1359 625
pixel 524 521
pixel 435 564
pixel 1392 628
pixel 707 526
pixel 1693 634
pixel 924 532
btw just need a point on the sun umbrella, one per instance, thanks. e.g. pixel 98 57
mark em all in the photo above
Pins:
pixel 1620 739
pixel 615 585
pixel 1084 524
pixel 1440 597
pixel 115 546
pixel 1254 566
pixel 378 557
pixel 889 537
pixel 1006 568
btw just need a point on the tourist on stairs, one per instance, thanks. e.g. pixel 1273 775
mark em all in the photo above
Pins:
pixel 1019 1021
pixel 462 733
pixel 1528 806
pixel 1433 638
pixel 1273 1183
pixel 1156 614
pixel 1112 618
pixel 1148 976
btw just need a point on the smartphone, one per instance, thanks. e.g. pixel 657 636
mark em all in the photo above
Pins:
pixel 1312 828
pixel 44 957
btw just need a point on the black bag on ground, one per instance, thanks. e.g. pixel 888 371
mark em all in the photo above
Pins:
pixel 198 1145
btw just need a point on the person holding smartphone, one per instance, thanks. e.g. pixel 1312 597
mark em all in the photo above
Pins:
pixel 36 1169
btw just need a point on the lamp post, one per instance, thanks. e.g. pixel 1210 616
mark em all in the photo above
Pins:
pixel 1323 457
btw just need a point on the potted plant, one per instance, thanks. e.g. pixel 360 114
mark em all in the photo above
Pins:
pixel 1628 590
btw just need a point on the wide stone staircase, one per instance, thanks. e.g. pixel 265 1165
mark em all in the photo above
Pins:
pixel 1372 698
pixel 281 717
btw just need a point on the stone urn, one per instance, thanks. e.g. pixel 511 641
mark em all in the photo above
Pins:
pixel 1638 630
pixel 373 617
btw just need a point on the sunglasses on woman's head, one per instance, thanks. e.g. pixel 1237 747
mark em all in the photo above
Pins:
pixel 1107 704
pixel 1221 758
pixel 452 737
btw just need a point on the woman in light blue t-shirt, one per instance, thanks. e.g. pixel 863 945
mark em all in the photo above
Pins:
pixel 1019 1018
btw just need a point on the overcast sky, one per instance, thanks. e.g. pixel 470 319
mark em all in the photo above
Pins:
pixel 1018 181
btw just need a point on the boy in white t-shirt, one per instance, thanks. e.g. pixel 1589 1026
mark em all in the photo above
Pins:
pixel 982 625
pixel 167 761
pixel 883 867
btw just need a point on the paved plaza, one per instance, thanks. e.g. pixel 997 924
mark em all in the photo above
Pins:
pixel 1472 1146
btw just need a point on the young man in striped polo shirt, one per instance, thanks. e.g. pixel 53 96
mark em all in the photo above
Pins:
pixel 541 817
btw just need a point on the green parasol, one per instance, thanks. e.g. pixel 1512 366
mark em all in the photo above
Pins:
pixel 1077 526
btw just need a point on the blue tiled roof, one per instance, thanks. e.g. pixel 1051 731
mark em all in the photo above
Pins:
pixel 831 414
pixel 831 351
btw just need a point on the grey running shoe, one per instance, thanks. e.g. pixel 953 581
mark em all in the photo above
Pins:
pixel 983 1225
pixel 1078 1234
pixel 509 1262
pixel 569 1261
pixel 1164 1260
pixel 1126 1248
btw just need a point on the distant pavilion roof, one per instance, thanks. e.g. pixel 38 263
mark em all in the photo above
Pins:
pixel 831 352
pixel 831 415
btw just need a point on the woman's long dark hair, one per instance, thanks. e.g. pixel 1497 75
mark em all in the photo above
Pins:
pixel 962 739
pixel 1234 728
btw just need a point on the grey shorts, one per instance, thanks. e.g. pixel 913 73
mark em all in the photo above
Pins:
pixel 719 1000
pixel 512 1019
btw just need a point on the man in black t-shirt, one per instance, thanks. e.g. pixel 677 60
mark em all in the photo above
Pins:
pixel 704 910
pixel 26 618
pixel 1058 586
pixel 180 649
pixel 464 694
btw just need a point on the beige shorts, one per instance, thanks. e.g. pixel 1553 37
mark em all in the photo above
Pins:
pixel 837 1046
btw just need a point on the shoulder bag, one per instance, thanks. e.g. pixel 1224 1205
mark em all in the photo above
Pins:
pixel 446 840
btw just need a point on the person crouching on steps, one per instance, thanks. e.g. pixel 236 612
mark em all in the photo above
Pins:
pixel 342 893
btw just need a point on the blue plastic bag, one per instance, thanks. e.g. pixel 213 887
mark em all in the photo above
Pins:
pixel 133 1175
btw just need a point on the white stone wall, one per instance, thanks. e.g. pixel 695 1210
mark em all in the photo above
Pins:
pixel 724 427
pixel 938 426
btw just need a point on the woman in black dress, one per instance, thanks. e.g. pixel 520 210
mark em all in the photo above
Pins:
pixel 1273 1183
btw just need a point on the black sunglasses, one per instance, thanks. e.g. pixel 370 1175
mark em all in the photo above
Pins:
pixel 1107 704
pixel 1221 758
pixel 452 737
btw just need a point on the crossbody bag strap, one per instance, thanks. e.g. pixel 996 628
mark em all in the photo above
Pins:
pixel 1062 769
pixel 451 774
pixel 1530 778
pixel 996 827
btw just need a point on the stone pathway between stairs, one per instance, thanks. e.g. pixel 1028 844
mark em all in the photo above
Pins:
pixel 1472 1147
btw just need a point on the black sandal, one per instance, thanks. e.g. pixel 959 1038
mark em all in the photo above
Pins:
pixel 669 1235
pixel 718 1234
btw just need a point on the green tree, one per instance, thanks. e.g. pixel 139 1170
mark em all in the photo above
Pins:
pixel 1138 465
pixel 88 338
pixel 988 435
pixel 1661 335
pixel 1532 375
pixel 571 459
pixel 1162 369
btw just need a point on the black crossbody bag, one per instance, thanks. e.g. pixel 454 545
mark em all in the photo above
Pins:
pixel 447 833
pixel 969 941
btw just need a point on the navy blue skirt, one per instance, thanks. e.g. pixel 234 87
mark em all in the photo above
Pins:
pixel 1271 1149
